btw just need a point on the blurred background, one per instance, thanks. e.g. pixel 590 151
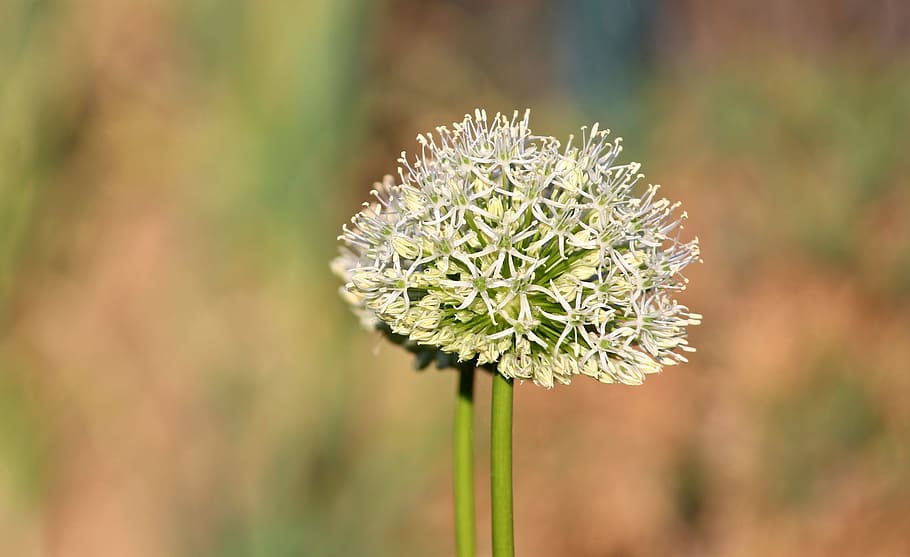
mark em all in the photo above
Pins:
pixel 178 376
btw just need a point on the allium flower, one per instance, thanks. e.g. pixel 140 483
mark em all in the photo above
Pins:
pixel 505 248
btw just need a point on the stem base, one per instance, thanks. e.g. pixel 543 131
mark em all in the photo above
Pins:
pixel 501 467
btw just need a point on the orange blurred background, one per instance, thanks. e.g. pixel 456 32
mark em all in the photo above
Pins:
pixel 178 376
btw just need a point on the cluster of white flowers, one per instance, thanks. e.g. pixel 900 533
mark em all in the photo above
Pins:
pixel 506 249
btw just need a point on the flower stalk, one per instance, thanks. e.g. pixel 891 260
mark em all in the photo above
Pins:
pixel 501 467
pixel 465 533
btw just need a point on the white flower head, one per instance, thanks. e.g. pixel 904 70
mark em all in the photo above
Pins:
pixel 506 249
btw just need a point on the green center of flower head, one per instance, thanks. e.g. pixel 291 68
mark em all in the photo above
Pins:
pixel 510 249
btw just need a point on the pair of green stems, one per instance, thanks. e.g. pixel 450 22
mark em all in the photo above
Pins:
pixel 500 466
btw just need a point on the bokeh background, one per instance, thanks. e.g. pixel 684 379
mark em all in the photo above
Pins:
pixel 178 376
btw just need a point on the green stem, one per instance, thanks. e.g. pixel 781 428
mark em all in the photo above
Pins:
pixel 501 467
pixel 465 535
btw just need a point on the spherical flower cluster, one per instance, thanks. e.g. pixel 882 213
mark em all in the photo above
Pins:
pixel 506 249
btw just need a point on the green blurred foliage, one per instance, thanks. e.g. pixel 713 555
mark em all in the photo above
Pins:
pixel 819 430
pixel 24 450
pixel 830 139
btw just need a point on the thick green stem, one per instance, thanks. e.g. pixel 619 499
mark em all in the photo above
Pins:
pixel 465 534
pixel 501 467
